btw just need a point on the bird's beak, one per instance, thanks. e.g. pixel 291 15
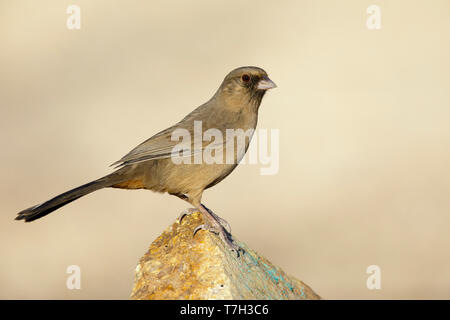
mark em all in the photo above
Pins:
pixel 265 84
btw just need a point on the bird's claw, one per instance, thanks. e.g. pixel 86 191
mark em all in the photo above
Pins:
pixel 198 228
pixel 232 246
pixel 224 236
pixel 190 211
pixel 185 213
pixel 222 222
pixel 204 227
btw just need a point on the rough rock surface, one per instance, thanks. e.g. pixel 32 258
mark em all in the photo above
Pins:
pixel 180 266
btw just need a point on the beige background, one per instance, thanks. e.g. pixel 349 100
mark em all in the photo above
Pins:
pixel 364 125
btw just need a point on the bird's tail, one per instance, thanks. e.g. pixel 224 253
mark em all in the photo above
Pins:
pixel 51 205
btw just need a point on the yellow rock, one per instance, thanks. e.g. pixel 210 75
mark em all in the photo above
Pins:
pixel 180 266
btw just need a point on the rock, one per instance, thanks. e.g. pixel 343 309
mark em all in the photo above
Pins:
pixel 180 266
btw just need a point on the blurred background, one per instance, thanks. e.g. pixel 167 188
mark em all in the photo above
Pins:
pixel 363 116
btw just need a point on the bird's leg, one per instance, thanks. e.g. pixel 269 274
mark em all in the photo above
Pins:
pixel 186 212
pixel 213 224
pixel 222 221
pixel 190 211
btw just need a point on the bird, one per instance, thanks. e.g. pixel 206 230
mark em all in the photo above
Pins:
pixel 151 165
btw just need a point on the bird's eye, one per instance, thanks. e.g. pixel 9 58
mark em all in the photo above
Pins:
pixel 245 78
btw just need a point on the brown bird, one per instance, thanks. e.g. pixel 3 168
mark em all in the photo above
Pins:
pixel 162 164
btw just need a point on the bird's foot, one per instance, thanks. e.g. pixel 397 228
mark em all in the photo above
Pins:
pixel 190 211
pixel 224 236
pixel 228 240
pixel 222 222
pixel 204 227
pixel 186 212
pixel 218 226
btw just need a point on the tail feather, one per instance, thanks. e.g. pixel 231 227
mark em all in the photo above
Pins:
pixel 57 202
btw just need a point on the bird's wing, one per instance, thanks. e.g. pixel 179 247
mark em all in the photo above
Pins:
pixel 159 146
pixel 162 144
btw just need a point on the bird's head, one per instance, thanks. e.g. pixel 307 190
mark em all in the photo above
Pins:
pixel 245 85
